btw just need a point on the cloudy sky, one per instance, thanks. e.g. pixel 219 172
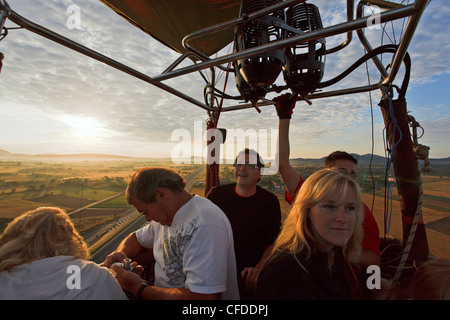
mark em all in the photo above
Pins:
pixel 54 100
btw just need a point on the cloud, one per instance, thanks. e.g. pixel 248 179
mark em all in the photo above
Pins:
pixel 48 81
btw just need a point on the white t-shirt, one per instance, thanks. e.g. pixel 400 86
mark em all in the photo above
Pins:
pixel 58 278
pixel 195 252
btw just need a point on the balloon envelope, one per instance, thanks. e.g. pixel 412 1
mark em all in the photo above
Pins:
pixel 169 21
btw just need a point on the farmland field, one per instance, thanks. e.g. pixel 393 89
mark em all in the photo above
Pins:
pixel 27 183
pixel 70 184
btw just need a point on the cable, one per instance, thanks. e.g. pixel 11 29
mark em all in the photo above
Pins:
pixel 372 140
pixel 388 48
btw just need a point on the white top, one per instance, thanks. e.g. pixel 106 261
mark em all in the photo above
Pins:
pixel 195 252
pixel 59 278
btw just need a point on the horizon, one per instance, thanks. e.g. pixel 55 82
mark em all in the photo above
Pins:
pixel 117 155
pixel 57 100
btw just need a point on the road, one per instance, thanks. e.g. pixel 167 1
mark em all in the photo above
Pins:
pixel 95 203
pixel 92 235
pixel 190 179
pixel 100 255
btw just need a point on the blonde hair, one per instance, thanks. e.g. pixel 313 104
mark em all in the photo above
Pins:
pixel 41 233
pixel 297 234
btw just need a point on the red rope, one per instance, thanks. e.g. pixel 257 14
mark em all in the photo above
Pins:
pixel 214 167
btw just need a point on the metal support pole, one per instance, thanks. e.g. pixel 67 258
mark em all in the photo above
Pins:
pixel 395 12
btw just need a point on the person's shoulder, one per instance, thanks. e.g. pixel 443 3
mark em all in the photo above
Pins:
pixel 222 188
pixel 285 266
pixel 368 218
pixel 264 191
pixel 219 194
pixel 206 207
pixel 266 194
pixel 206 216
pixel 92 271
pixel 281 259
pixel 90 266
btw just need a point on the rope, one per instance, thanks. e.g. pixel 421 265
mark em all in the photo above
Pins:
pixel 422 152
pixel 412 232
pixel 390 159
pixel 212 124
pixel 221 100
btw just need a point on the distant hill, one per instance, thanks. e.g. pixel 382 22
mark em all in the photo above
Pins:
pixel 79 156
pixel 363 160
pixel 4 153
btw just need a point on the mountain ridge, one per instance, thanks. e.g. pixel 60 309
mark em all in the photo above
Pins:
pixel 361 158
pixel 4 153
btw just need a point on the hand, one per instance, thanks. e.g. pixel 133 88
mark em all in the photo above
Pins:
pixel 285 104
pixel 251 274
pixel 128 280
pixel 114 257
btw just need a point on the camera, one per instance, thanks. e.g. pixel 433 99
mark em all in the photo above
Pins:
pixel 126 264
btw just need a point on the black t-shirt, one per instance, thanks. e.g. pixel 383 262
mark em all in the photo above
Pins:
pixel 255 221
pixel 283 278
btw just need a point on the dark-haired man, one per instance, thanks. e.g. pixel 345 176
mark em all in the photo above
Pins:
pixel 255 218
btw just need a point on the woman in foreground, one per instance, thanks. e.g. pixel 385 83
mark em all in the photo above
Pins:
pixel 42 256
pixel 319 241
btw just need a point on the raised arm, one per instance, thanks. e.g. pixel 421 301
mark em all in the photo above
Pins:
pixel 284 106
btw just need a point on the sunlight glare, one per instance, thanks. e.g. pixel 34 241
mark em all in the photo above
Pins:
pixel 84 126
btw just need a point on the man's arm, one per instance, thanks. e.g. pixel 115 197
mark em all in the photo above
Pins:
pixel 156 293
pixel 251 274
pixel 289 175
pixel 132 282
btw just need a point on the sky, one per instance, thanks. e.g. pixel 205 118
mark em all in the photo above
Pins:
pixel 55 100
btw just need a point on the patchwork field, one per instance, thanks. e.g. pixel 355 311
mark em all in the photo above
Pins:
pixel 26 184
pixel 70 184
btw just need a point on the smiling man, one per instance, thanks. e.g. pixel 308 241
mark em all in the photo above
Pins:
pixel 255 218
pixel 189 236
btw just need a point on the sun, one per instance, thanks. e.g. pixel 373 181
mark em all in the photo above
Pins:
pixel 83 126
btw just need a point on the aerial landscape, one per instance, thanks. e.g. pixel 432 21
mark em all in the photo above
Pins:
pixel 93 91
pixel 90 188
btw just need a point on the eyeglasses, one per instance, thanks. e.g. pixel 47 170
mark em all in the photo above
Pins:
pixel 247 165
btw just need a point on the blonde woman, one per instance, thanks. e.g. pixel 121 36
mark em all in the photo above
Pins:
pixel 319 241
pixel 42 256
